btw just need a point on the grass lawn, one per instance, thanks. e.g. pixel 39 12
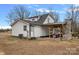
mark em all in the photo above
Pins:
pixel 15 46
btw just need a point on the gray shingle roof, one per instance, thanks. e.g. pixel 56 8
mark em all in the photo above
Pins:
pixel 38 22
pixel 41 19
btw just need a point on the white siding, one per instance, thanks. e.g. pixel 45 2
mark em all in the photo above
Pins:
pixel 39 31
pixel 51 20
pixel 18 29
pixel 36 31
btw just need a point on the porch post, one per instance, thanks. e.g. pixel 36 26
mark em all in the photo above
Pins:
pixel 61 31
pixel 49 31
pixel 52 31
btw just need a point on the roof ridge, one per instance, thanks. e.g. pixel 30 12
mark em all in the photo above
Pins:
pixel 39 15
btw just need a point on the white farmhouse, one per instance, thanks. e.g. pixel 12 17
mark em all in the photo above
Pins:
pixel 37 26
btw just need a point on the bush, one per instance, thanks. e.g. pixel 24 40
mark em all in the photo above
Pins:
pixel 75 34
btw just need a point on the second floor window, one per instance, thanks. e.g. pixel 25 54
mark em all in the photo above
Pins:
pixel 25 28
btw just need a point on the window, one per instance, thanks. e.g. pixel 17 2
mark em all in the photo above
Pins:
pixel 25 27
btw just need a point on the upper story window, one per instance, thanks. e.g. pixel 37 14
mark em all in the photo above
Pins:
pixel 25 27
pixel 34 19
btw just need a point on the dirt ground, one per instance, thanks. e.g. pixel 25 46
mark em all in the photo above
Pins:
pixel 15 46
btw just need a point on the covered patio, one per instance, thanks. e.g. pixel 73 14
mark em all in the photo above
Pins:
pixel 51 27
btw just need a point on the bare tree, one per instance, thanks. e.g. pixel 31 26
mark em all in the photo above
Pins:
pixel 37 12
pixel 54 14
pixel 18 12
pixel 73 14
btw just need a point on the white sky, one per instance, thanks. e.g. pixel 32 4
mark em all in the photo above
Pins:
pixel 5 27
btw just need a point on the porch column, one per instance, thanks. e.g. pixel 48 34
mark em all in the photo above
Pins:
pixel 61 28
pixel 52 32
pixel 49 31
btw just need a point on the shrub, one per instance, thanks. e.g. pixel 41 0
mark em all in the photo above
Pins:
pixel 75 34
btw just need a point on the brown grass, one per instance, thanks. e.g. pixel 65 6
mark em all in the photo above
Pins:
pixel 15 46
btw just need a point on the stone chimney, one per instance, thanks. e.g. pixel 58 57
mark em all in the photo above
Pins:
pixel 68 34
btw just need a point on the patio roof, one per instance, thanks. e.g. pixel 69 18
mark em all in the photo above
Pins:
pixel 54 25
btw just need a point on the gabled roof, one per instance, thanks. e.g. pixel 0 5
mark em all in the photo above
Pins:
pixel 27 21
pixel 40 20
pixel 33 17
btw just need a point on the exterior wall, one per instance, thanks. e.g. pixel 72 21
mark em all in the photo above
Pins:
pixel 50 20
pixel 38 31
pixel 18 29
